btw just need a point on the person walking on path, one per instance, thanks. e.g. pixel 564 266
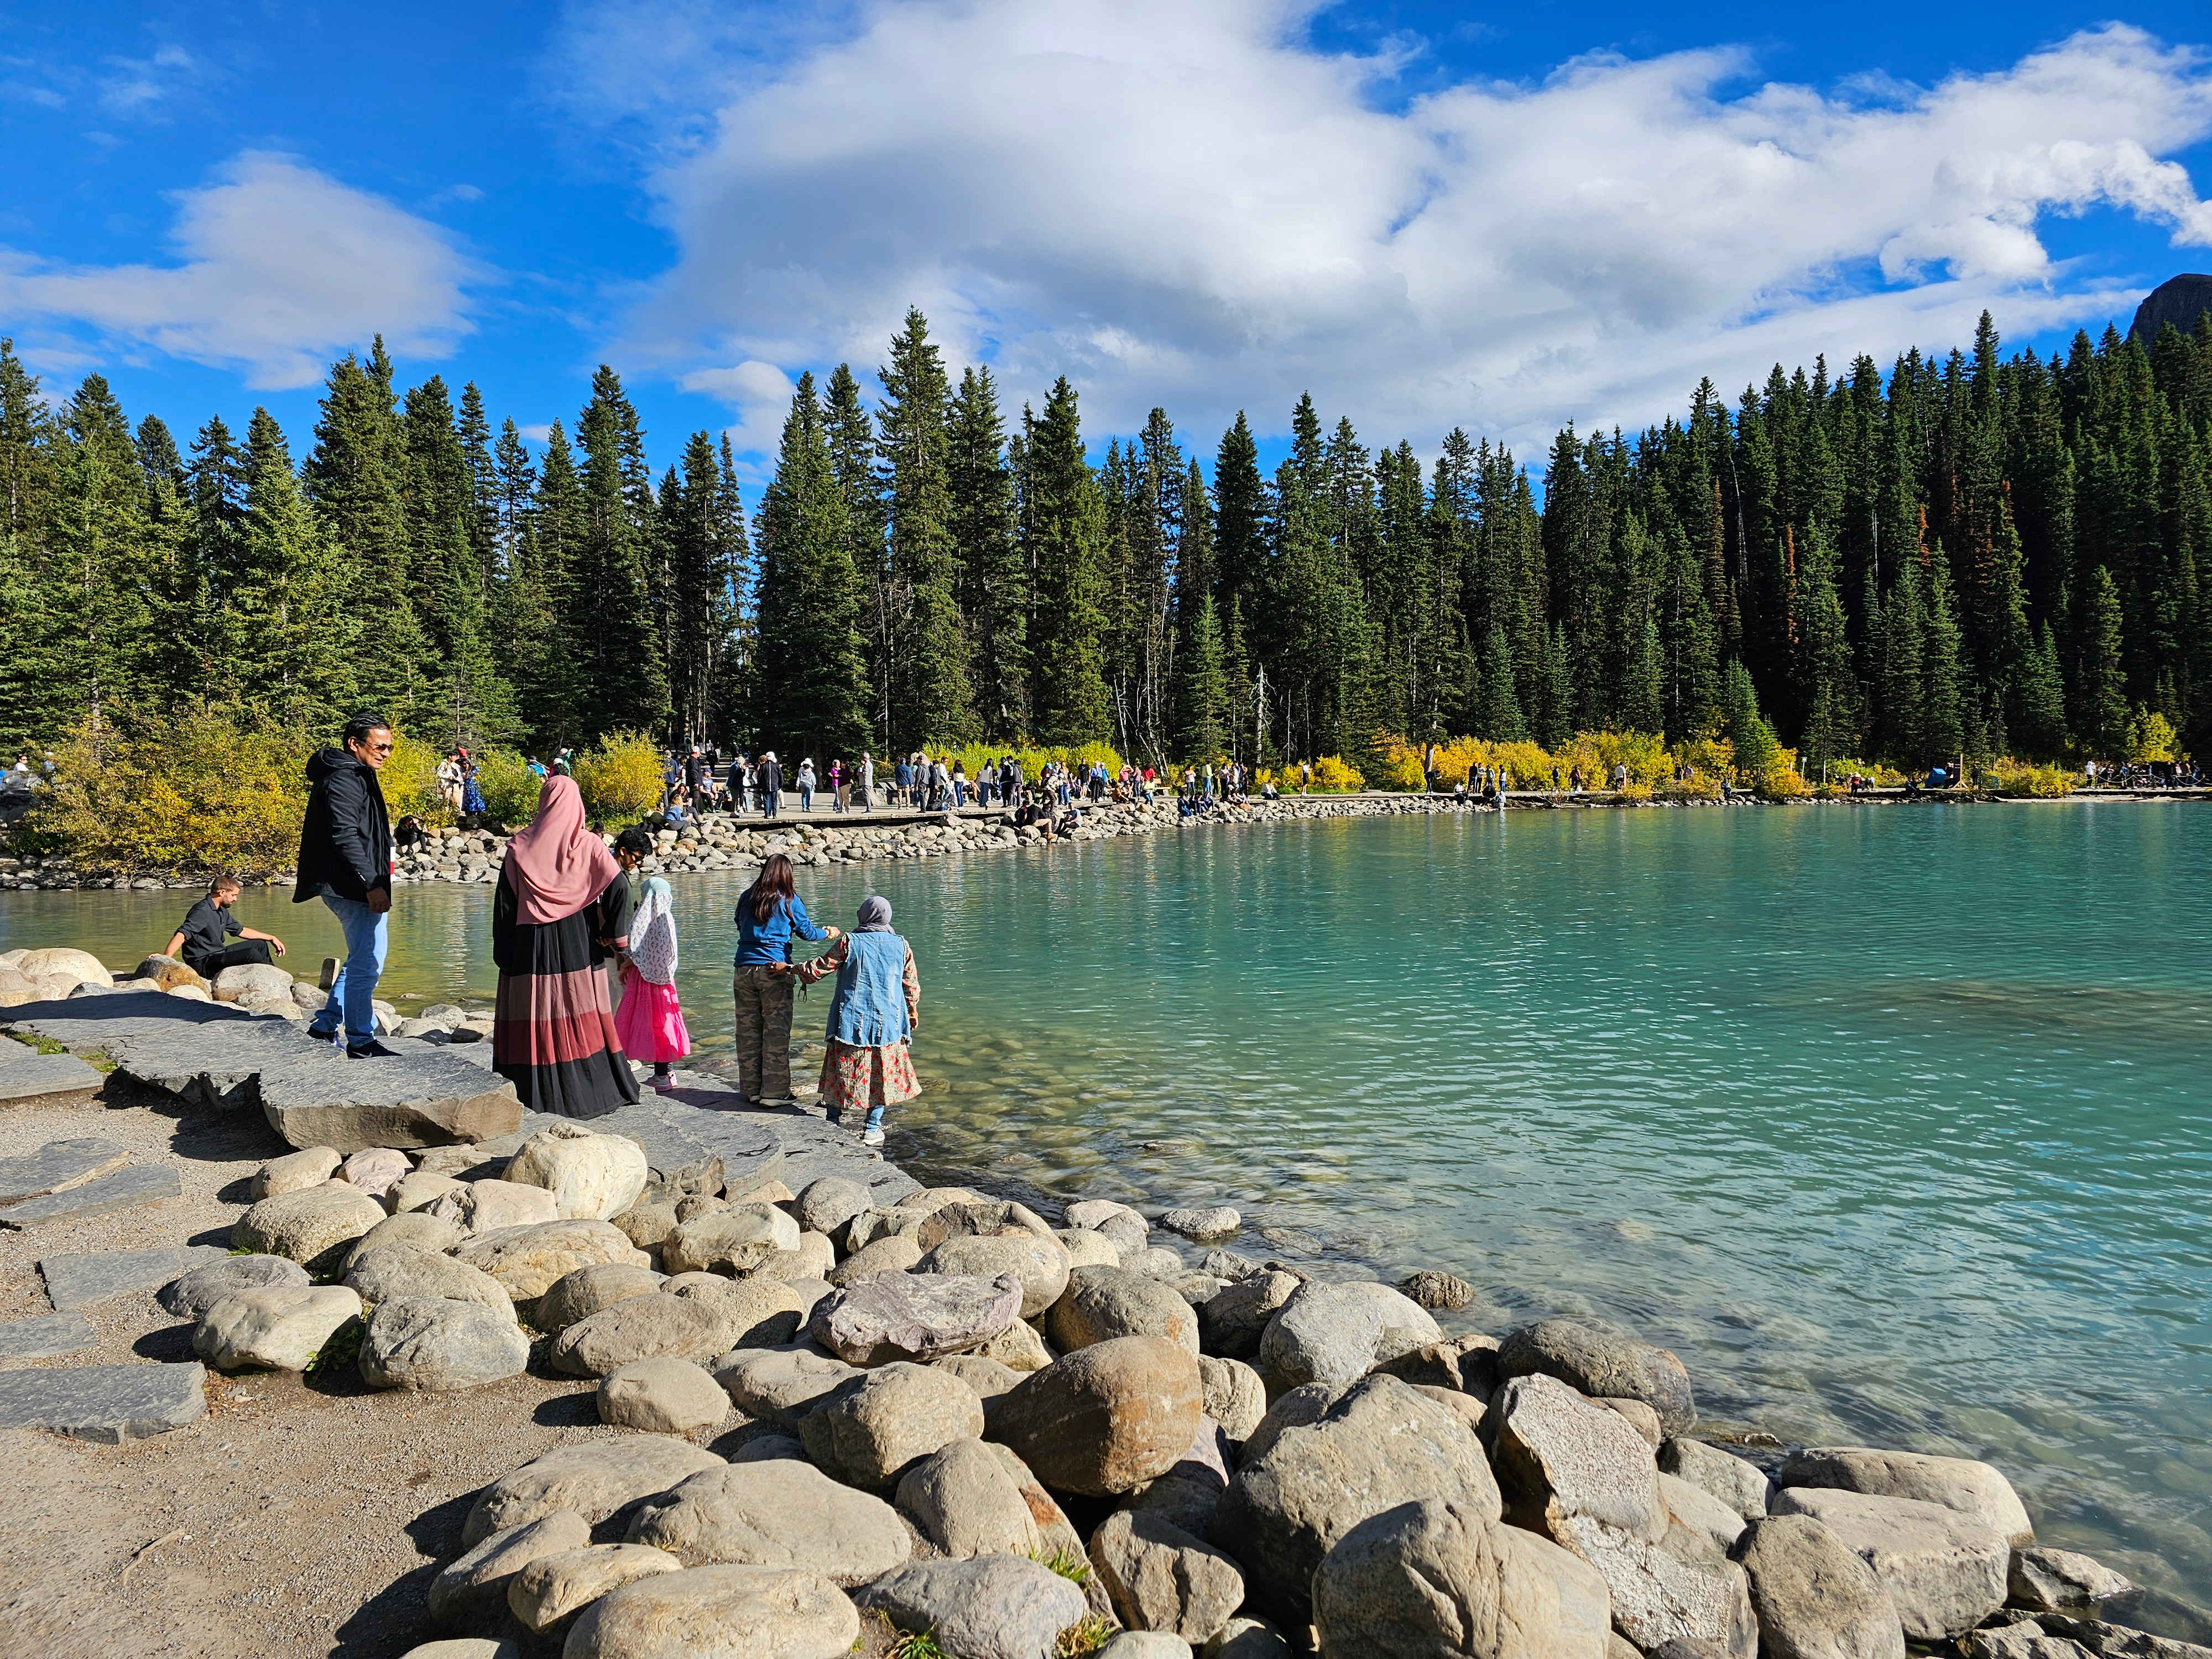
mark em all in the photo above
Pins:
pixel 872 1019
pixel 650 1021
pixel 769 914
pixel 837 785
pixel 806 784
pixel 199 943
pixel 345 860
pixel 770 776
pixel 560 894
pixel 867 782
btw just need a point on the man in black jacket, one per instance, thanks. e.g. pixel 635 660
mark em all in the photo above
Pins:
pixel 345 860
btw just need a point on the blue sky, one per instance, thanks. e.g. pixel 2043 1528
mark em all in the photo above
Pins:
pixel 1499 218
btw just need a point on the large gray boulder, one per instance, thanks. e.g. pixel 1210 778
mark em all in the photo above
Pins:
pixel 887 1316
pixel 597 1479
pixel 547 1590
pixel 315 1226
pixel 283 1328
pixel 1815 1599
pixel 1100 1304
pixel 894 1252
pixel 1233 1394
pixel 1040 1263
pixel 1466 1365
pixel 580 1294
pixel 1957 1483
pixel 1441 1580
pixel 979 1219
pixel 191 1294
pixel 493 1205
pixel 718 1612
pixel 2060 1581
pixel 869 1430
pixel 1382 1445
pixel 759 1312
pixel 591 1177
pixel 733 1241
pixel 990 1607
pixel 1944 1571
pixel 407 1273
pixel 437 1345
pixel 641 1327
pixel 424 1231
pixel 528 1260
pixel 828 1203
pixel 1740 1483
pixel 780 1513
pixel 779 1385
pixel 1104 1419
pixel 1232 1322
pixel 1160 1577
pixel 471 1593
pixel 1602 1361
pixel 662 1395
pixel 963 1500
pixel 1334 1334
pixel 293 1172
pixel 1582 1475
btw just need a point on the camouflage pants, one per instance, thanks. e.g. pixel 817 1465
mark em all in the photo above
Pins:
pixel 763 999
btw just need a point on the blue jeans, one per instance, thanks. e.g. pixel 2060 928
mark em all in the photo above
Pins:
pixel 353 997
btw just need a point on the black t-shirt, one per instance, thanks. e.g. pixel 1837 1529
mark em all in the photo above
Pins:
pixel 206 928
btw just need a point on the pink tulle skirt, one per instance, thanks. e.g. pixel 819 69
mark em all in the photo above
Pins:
pixel 650 1021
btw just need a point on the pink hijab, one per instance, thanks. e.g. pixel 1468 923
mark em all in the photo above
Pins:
pixel 557 865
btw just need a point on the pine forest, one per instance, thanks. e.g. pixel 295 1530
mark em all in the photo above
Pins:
pixel 1981 555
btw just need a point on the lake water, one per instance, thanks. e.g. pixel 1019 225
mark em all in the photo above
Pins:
pixel 1894 1123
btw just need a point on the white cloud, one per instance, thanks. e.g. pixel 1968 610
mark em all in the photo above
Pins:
pixel 135 86
pixel 759 393
pixel 1182 201
pixel 280 267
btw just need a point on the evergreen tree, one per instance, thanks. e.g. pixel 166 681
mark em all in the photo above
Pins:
pixel 1497 708
pixel 813 682
pixel 2100 708
pixel 1823 665
pixel 887 604
pixel 927 667
pixel 1757 752
pixel 1067 526
pixel 101 598
pixel 624 672
pixel 1203 726
pixel 994 581
pixel 1240 514
pixel 291 635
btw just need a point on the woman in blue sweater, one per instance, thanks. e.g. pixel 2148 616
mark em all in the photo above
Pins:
pixel 769 914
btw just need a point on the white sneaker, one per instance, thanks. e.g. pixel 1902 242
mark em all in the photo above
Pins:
pixel 872 1138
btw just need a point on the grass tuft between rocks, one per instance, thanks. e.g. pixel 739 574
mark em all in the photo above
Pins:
pixel 1065 1562
pixel 1088 1635
pixel 344 1349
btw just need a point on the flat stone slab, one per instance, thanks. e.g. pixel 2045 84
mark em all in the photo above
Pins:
pixel 58 1166
pixel 109 1404
pixel 45 1335
pixel 216 1058
pixel 48 1080
pixel 76 1278
pixel 133 1187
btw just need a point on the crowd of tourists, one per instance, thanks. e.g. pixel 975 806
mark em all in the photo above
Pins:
pixel 587 951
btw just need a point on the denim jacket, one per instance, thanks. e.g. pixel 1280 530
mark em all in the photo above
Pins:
pixel 870 1008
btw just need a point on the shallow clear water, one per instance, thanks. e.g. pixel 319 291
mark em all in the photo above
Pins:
pixel 1893 1122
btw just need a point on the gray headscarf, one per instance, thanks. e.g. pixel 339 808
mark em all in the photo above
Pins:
pixel 875 916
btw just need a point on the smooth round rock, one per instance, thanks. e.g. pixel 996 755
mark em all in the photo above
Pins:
pixel 578 1295
pixel 718 1612
pixel 436 1345
pixel 315 1226
pixel 550 1588
pixel 427 1232
pixel 281 1329
pixel 408 1272
pixel 192 1295
pixel 662 1396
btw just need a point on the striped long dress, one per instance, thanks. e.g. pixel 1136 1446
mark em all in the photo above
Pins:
pixel 553 1033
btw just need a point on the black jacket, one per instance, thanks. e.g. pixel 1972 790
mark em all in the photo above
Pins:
pixel 345 844
pixel 768 777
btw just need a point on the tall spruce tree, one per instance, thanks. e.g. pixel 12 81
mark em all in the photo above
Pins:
pixel 292 630
pixel 813 685
pixel 994 576
pixel 1067 527
pixel 623 678
pixel 927 665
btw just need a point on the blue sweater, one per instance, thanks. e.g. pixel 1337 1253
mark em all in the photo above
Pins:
pixel 768 941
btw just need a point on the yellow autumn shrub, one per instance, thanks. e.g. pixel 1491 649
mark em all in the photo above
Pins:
pixel 620 778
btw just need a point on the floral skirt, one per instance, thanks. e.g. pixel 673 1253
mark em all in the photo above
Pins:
pixel 856 1077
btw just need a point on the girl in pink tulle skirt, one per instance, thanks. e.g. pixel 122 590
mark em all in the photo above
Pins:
pixel 650 1021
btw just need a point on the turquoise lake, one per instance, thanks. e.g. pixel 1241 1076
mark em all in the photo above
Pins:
pixel 1895 1123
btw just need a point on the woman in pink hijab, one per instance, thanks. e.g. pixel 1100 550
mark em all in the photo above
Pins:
pixel 559 893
